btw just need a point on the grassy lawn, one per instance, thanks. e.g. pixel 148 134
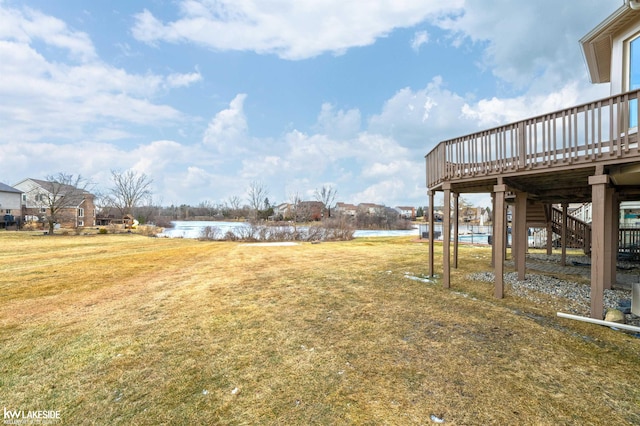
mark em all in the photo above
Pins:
pixel 126 329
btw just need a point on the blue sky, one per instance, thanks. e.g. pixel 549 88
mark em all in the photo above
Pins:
pixel 208 96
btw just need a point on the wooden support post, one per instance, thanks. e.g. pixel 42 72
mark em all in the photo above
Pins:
pixel 506 230
pixel 521 239
pixel 431 234
pixel 514 232
pixel 599 271
pixel 610 260
pixel 493 224
pixel 456 225
pixel 499 245
pixel 615 237
pixel 446 237
pixel 563 237
pixel 549 218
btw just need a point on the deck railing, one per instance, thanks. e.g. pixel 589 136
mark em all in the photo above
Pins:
pixel 578 231
pixel 592 132
pixel 629 243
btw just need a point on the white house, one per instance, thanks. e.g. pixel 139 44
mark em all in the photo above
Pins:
pixel 10 204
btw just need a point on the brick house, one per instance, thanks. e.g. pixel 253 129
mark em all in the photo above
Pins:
pixel 74 207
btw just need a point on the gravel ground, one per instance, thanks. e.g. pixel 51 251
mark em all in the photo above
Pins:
pixel 573 298
pixel 632 267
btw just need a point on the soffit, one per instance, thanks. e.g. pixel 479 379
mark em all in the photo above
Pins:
pixel 598 43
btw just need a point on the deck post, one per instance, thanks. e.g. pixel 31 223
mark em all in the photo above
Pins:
pixel 563 238
pixel 493 224
pixel 610 239
pixel 499 237
pixel 601 206
pixel 446 236
pixel 548 213
pixel 456 225
pixel 615 237
pixel 520 238
pixel 431 233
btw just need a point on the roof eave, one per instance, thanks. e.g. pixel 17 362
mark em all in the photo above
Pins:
pixel 599 65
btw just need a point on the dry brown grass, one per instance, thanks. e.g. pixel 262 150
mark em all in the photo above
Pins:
pixel 124 329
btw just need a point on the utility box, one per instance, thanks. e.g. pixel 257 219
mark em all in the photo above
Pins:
pixel 635 298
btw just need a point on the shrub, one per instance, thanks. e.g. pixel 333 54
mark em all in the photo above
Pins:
pixel 210 233
pixel 102 231
pixel 149 230
pixel 230 236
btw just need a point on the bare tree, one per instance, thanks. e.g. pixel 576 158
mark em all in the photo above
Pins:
pixel 61 196
pixel 130 189
pixel 233 206
pixel 234 202
pixel 257 194
pixel 326 195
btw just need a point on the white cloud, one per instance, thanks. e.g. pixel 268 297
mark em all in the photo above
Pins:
pixel 421 118
pixel 29 25
pixel 339 124
pixel 529 44
pixel 385 169
pixel 68 98
pixel 183 80
pixel 419 38
pixel 382 192
pixel 288 28
pixel 228 130
pixel 497 111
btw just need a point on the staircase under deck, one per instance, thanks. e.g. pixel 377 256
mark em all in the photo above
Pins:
pixel 587 153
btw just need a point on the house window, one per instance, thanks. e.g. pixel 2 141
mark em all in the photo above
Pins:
pixel 80 212
pixel 43 210
pixel 634 78
pixel 24 198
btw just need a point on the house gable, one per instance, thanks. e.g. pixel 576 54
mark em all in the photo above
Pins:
pixel 603 47
pixel 79 211
pixel 10 200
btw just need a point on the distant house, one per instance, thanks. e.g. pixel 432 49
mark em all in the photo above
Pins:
pixel 345 209
pixel 77 207
pixel 309 210
pixel 371 209
pixel 10 206
pixel 283 211
pixel 407 212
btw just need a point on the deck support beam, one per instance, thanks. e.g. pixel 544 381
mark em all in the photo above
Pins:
pixel 493 223
pixel 499 227
pixel 446 237
pixel 563 238
pixel 456 228
pixel 615 238
pixel 610 257
pixel 548 212
pixel 520 238
pixel 602 200
pixel 431 233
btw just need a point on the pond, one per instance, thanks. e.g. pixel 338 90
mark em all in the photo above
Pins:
pixel 193 229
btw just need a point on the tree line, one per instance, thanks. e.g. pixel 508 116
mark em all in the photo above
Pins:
pixel 130 194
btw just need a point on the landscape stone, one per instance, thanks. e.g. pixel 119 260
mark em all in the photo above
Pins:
pixel 614 315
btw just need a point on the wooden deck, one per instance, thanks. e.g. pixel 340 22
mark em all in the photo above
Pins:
pixel 587 153
pixel 550 156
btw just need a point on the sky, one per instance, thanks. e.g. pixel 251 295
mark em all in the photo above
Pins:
pixel 207 97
